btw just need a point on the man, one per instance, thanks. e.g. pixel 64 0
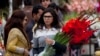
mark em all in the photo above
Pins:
pixel 36 13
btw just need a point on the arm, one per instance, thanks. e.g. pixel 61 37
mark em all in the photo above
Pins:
pixel 59 47
pixel 55 45
pixel 12 41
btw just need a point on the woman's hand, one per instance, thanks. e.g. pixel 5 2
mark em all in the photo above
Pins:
pixel 26 53
pixel 32 45
pixel 49 41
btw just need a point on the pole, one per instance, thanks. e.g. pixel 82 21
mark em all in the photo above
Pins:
pixel 10 8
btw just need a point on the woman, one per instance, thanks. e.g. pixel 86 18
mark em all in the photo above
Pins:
pixel 16 41
pixel 58 11
pixel 45 3
pixel 48 26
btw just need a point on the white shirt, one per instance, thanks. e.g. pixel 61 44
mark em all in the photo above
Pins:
pixel 45 32
pixel 40 35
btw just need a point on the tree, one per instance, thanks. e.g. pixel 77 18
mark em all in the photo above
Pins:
pixel 3 7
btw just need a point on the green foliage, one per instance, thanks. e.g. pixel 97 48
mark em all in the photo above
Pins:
pixel 70 16
pixel 4 12
pixel 61 38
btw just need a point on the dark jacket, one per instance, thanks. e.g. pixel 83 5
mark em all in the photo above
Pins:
pixel 60 49
pixel 29 30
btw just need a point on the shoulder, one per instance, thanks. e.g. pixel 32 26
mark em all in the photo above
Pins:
pixel 14 30
pixel 45 32
pixel 52 30
pixel 30 23
pixel 38 33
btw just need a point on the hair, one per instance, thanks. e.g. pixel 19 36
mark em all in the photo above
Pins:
pixel 55 22
pixel 42 0
pixel 54 6
pixel 14 22
pixel 28 2
pixel 36 9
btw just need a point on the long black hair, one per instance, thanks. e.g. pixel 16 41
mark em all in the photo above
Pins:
pixel 14 22
pixel 55 22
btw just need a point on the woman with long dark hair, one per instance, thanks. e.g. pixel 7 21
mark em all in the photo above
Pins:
pixel 15 39
pixel 48 26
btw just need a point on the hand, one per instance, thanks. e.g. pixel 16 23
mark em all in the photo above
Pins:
pixel 26 53
pixel 49 41
pixel 32 45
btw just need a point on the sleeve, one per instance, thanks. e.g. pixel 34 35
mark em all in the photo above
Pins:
pixel 97 35
pixel 59 47
pixel 12 41
pixel 34 40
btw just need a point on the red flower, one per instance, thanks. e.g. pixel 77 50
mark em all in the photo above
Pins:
pixel 78 29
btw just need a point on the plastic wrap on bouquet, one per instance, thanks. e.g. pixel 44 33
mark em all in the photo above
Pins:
pixel 48 51
pixel 75 50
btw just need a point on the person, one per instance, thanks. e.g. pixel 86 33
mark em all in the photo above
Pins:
pixel 36 13
pixel 48 26
pixel 28 9
pixel 57 9
pixel 15 39
pixel 45 3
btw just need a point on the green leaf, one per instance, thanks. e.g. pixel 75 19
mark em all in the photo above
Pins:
pixel 62 38
pixel 65 41
pixel 70 16
pixel 59 35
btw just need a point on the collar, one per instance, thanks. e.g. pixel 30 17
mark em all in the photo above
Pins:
pixel 52 29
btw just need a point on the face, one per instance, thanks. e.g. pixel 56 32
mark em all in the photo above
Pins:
pixel 48 18
pixel 45 3
pixel 25 21
pixel 37 16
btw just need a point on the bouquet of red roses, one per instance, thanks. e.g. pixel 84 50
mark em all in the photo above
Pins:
pixel 79 30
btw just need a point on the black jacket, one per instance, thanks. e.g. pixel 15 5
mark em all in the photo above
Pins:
pixel 29 27
pixel 60 49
